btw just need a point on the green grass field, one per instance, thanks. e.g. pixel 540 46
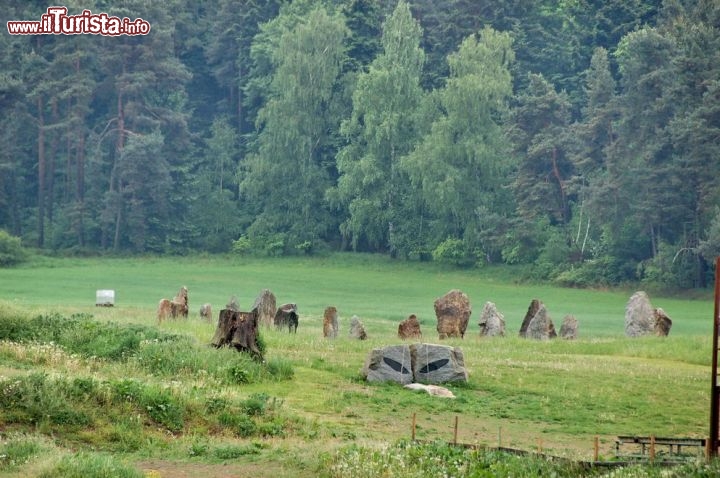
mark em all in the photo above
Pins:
pixel 521 393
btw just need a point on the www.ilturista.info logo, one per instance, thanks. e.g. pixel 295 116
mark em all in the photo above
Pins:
pixel 57 22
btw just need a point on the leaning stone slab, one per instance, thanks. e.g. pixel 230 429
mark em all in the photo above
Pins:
pixel 389 364
pixel 438 364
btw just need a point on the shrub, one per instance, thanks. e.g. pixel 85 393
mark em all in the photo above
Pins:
pixel 453 251
pixel 242 245
pixel 11 250
pixel 163 407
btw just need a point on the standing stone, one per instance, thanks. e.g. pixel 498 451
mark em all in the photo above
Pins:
pixel 531 312
pixel 569 328
pixel 541 326
pixel 639 316
pixel 662 323
pixel 492 322
pixel 206 312
pixel 410 328
pixel 330 323
pixel 266 306
pixel 453 313
pixel 438 364
pixel 357 330
pixel 233 304
pixel 287 316
pixel 389 364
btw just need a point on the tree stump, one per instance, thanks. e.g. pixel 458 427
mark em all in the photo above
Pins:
pixel 239 330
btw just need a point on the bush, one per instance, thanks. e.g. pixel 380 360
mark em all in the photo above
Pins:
pixel 453 251
pixel 11 250
pixel 242 245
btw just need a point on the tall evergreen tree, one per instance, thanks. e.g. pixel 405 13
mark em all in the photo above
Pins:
pixel 539 128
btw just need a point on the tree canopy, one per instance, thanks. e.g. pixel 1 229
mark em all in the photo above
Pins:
pixel 579 138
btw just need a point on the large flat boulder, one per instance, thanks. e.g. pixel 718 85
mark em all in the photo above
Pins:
pixel 425 363
pixel 438 364
pixel 389 364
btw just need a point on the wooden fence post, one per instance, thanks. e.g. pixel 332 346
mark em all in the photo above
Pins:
pixel 652 448
pixel 455 433
pixel 596 450
pixel 414 421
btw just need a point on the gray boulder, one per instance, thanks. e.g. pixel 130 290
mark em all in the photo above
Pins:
pixel 357 330
pixel 389 364
pixel 639 316
pixel 492 322
pixel 541 326
pixel 438 364
pixel 569 328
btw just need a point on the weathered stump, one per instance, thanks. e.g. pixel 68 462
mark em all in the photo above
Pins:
pixel 239 330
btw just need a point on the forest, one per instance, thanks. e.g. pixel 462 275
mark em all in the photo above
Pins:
pixel 578 137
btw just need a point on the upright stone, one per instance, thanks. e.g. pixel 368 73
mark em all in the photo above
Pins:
pixel 569 328
pixel 662 323
pixel 453 313
pixel 540 326
pixel 389 364
pixel 266 306
pixel 233 304
pixel 410 328
pixel 330 323
pixel 639 316
pixel 492 322
pixel 357 330
pixel 531 312
pixel 206 312
pixel 438 364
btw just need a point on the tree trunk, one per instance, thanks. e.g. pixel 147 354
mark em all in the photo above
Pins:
pixel 118 152
pixel 41 173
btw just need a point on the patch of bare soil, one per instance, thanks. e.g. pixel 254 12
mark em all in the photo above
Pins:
pixel 172 469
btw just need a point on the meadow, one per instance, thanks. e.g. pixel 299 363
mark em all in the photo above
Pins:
pixel 157 399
